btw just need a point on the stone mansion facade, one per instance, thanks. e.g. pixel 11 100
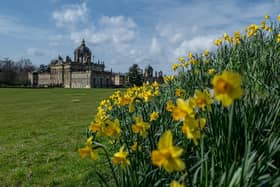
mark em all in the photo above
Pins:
pixel 78 73
pixel 82 72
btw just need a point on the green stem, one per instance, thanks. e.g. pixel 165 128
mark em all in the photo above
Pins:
pixel 228 142
pixel 110 163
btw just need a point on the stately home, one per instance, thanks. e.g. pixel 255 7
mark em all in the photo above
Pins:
pixel 81 72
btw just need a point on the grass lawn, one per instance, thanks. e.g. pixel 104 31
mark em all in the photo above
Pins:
pixel 41 131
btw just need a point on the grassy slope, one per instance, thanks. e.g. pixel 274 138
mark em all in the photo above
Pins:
pixel 41 131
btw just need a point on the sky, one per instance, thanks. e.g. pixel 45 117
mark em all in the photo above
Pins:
pixel 123 32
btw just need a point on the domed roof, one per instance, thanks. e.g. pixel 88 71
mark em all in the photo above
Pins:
pixel 82 49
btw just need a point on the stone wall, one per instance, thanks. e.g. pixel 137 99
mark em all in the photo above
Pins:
pixel 44 79
pixel 101 79
pixel 80 79
pixel 118 80
pixel 57 77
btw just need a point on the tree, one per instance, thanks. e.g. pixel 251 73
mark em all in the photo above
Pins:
pixel 15 73
pixel 135 76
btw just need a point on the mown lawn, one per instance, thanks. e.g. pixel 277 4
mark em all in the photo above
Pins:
pixel 40 133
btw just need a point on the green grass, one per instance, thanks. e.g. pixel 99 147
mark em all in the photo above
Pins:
pixel 41 131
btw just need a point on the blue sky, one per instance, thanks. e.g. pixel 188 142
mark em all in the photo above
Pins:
pixel 123 32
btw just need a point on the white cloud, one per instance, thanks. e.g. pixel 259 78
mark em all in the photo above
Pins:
pixel 117 21
pixel 155 48
pixel 196 44
pixel 56 40
pixel 165 37
pixel 71 14
pixel 35 52
pixel 13 27
pixel 111 30
pixel 194 28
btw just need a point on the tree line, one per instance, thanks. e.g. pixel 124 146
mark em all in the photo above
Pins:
pixel 15 73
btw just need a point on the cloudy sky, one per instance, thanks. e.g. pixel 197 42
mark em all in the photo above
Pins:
pixel 123 32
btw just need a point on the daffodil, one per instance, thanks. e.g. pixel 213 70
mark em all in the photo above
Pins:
pixel 190 55
pixel 167 155
pixel 263 26
pixel 182 60
pixel 252 30
pixel 211 71
pixel 135 146
pixel 87 150
pixel 206 53
pixel 266 17
pixel 201 100
pixel 112 128
pixel 179 92
pixel 154 116
pixel 227 87
pixel 278 38
pixel 182 110
pixel 121 157
pixel 95 126
pixel 175 184
pixel 140 127
pixel 192 127
pixel 175 66
pixel 218 42
pixel 168 78
pixel 169 106
pixel 237 37
pixel 278 17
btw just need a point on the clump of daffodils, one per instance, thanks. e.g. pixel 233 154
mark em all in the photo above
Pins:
pixel 152 128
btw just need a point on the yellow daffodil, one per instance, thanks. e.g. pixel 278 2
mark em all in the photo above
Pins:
pixel 252 30
pixel 147 95
pixel 206 53
pixel 226 36
pixel 211 71
pixel 190 55
pixel 87 150
pixel 237 37
pixel 112 128
pixel 278 38
pixel 179 92
pixel 168 78
pixel 193 61
pixel 218 42
pixel 278 17
pixel 125 100
pixel 121 157
pixel 167 155
pixel 155 85
pixel 266 17
pixel 201 100
pixel 182 60
pixel 263 25
pixel 192 127
pixel 175 66
pixel 227 87
pixel 182 110
pixel 140 127
pixel 135 147
pixel 95 126
pixel 169 106
pixel 175 184
pixel 154 116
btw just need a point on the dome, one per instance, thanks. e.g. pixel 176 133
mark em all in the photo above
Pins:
pixel 82 49
pixel 82 54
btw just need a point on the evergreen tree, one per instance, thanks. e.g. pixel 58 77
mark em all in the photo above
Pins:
pixel 135 76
